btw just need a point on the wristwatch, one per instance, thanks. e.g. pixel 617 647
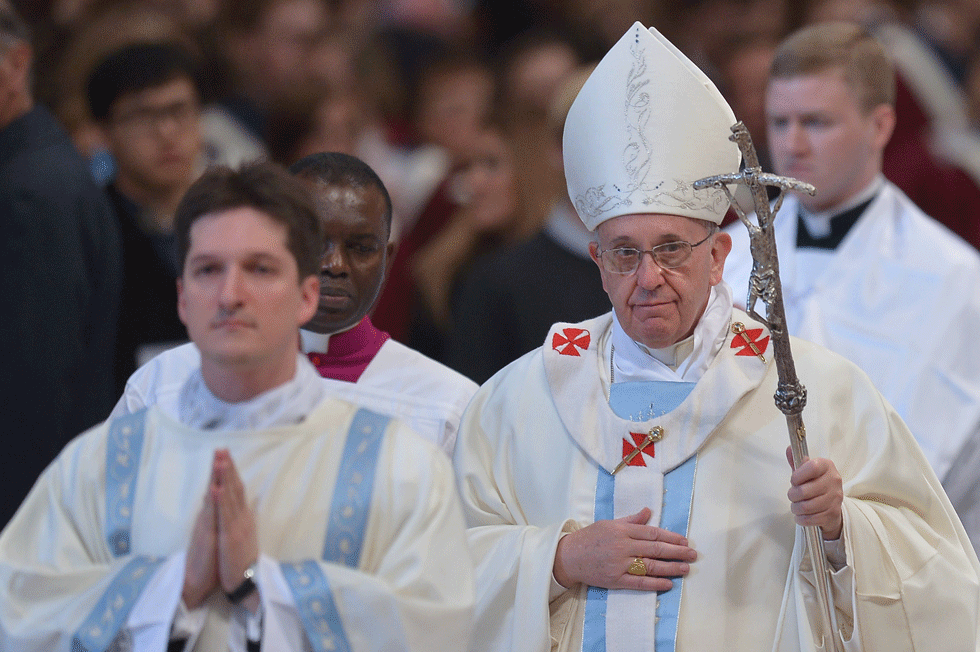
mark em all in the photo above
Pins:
pixel 244 589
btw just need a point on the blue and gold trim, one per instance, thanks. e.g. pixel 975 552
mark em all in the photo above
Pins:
pixel 124 446
pixel 346 527
pixel 352 492
pixel 106 620
pixel 641 401
pixel 314 601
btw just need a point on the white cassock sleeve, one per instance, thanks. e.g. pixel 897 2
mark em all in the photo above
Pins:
pixel 912 575
pixel 56 568
pixel 513 558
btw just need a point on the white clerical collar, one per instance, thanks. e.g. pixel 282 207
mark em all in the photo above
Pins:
pixel 287 404
pixel 818 224
pixel 310 342
pixel 565 228
pixel 686 360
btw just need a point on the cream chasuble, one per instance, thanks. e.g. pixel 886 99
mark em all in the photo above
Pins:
pixel 539 436
pixel 114 507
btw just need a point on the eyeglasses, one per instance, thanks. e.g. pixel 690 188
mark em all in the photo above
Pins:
pixel 626 260
pixel 145 119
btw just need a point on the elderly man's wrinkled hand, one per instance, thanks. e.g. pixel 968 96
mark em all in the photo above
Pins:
pixel 817 495
pixel 609 554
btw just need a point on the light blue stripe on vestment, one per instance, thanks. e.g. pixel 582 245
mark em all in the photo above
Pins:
pixel 352 492
pixel 345 533
pixel 594 632
pixel 679 486
pixel 643 401
pixel 110 613
pixel 124 446
pixel 316 607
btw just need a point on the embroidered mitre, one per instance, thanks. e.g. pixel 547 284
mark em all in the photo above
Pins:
pixel 646 125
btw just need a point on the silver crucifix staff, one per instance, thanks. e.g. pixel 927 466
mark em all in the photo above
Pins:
pixel 764 284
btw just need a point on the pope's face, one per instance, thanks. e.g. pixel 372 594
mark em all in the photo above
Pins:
pixel 659 307
pixel 355 253
pixel 819 133
pixel 240 294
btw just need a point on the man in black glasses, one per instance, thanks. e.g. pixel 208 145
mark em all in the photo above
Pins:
pixel 626 486
pixel 145 99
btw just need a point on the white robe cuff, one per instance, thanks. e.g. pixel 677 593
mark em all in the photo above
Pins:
pixel 557 588
pixel 160 615
pixel 157 607
pixel 836 552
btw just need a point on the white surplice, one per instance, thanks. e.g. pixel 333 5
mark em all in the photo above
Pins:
pixel 528 460
pixel 410 589
pixel 899 297
pixel 426 395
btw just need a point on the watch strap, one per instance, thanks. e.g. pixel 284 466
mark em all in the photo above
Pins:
pixel 244 589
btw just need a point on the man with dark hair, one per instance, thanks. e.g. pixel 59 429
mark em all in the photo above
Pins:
pixel 59 274
pixel 861 266
pixel 146 100
pixel 357 361
pixel 262 187
pixel 267 515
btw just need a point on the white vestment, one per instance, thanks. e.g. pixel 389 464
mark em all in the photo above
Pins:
pixel 539 438
pixel 108 523
pixel 426 395
pixel 900 298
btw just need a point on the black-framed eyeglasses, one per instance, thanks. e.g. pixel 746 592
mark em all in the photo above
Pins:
pixel 148 118
pixel 626 260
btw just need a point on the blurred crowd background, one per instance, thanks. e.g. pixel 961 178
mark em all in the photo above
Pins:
pixel 458 105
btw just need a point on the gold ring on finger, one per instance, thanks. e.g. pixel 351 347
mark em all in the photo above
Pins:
pixel 637 567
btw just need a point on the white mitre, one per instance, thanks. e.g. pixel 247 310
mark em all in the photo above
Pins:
pixel 646 125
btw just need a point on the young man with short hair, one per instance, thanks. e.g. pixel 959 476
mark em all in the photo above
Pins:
pixel 358 361
pixel 864 271
pixel 266 515
pixel 146 100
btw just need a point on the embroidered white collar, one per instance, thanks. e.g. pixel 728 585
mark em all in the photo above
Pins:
pixel 686 360
pixel 288 404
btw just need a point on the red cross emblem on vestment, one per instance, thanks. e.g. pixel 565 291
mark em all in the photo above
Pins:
pixel 748 341
pixel 570 340
pixel 638 440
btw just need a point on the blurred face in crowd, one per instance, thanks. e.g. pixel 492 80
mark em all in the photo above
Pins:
pixel 276 58
pixel 355 256
pixel 240 294
pixel 454 106
pixel 488 182
pixel 746 73
pixel 15 66
pixel 819 133
pixel 655 306
pixel 155 136
pixel 336 126
pixel 535 77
